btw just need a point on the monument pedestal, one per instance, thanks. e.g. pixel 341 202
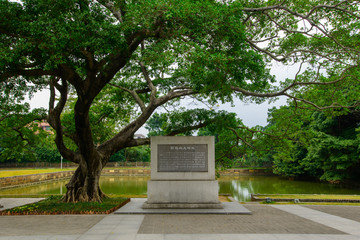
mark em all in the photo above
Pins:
pixel 182 173
pixel 183 194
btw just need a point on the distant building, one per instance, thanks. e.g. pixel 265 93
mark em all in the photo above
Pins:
pixel 139 135
pixel 44 125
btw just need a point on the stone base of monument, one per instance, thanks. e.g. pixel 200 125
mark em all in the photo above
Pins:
pixel 183 194
pixel 147 205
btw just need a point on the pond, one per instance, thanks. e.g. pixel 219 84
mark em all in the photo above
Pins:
pixel 239 187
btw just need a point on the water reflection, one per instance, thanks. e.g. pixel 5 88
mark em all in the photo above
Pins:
pixel 124 185
pixel 240 187
pixel 57 187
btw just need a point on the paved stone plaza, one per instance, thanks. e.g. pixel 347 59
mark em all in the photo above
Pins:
pixel 270 222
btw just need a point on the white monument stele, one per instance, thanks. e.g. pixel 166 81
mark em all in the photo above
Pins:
pixel 182 173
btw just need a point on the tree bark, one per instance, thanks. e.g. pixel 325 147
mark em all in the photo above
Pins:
pixel 84 185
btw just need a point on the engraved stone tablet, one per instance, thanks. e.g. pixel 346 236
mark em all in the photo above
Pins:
pixel 182 158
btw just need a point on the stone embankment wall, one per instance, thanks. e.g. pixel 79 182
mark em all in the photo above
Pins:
pixel 236 172
pixel 33 178
pixel 69 164
pixel 44 177
pixel 126 172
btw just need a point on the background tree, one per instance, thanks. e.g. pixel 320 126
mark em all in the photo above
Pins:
pixel 321 146
pixel 19 133
pixel 154 52
pixel 311 141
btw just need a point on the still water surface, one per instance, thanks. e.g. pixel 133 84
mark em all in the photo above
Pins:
pixel 239 187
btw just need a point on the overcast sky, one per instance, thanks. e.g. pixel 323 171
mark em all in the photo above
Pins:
pixel 252 114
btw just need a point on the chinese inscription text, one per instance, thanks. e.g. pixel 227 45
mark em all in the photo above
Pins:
pixel 182 158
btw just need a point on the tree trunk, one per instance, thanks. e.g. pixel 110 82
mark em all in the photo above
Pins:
pixel 84 184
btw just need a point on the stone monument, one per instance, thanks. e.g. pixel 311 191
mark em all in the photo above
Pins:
pixel 182 173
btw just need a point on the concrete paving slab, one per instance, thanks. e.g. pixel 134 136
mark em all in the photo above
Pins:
pixel 64 237
pixel 114 227
pixel 135 207
pixel 8 203
pixel 179 237
pixel 122 237
pixel 47 224
pixel 264 220
pixel 345 211
pixel 42 237
pixel 270 222
pixel 150 237
pixel 244 237
pixel 339 223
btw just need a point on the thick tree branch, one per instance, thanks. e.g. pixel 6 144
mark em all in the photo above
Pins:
pixel 29 73
pixel 273 56
pixel 110 5
pixel 133 94
pixel 21 135
pixel 149 82
pixel 138 142
pixel 89 59
pixel 126 134
pixel 332 106
pixel 332 56
pixel 172 95
pixel 69 74
pixel 283 92
pixel 188 128
pixel 242 139
pixel 116 61
pixel 54 117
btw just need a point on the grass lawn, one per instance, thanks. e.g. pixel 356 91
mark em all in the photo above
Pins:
pixel 314 203
pixel 19 172
pixel 54 205
pixel 311 196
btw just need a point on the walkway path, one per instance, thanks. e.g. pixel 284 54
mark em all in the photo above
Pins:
pixel 270 222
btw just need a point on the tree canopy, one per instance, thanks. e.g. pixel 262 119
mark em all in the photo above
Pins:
pixel 121 60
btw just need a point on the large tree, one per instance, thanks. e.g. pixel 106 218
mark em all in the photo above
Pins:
pixel 145 54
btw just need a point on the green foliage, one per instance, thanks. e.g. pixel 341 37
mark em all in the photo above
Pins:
pixel 334 155
pixel 156 124
pixel 137 154
pixel 227 146
pixel 118 157
pixel 47 154
pixel 326 147
pixel 133 154
pixel 20 134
